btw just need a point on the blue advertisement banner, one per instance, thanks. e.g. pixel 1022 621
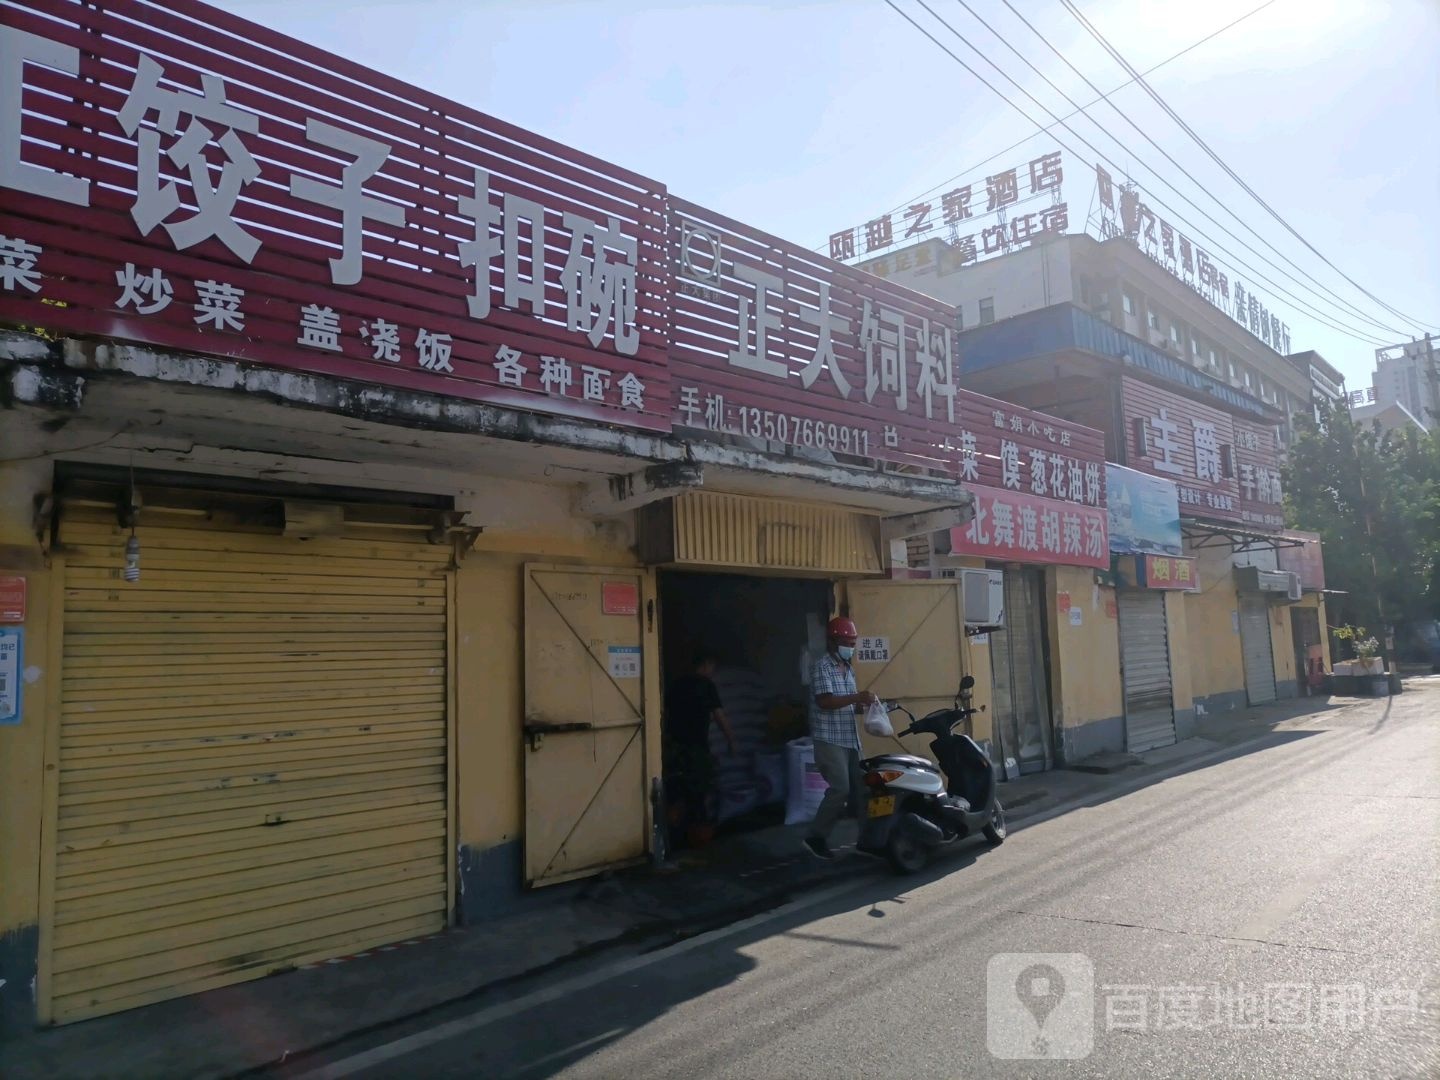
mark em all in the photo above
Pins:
pixel 1144 512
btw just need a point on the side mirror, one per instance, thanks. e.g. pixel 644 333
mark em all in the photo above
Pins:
pixel 967 683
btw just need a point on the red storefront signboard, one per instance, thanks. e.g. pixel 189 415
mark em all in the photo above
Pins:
pixel 1168 572
pixel 178 176
pixel 1227 468
pixel 1014 527
pixel 776 343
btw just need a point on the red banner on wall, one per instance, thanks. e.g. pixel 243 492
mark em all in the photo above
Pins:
pixel 1226 468
pixel 1013 527
pixel 178 176
pixel 775 343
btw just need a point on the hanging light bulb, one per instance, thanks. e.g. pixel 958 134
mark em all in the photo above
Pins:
pixel 132 558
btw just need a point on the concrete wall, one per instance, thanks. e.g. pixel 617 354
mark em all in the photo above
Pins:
pixel 1282 648
pixel 1027 280
pixel 526 522
pixel 1087 699
pixel 1212 635
pixel 1182 676
pixel 22 746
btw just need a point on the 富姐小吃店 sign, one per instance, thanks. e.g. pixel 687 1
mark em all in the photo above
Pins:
pixel 1224 467
pixel 1015 527
pixel 175 175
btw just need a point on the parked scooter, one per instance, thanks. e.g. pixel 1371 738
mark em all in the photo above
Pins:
pixel 913 809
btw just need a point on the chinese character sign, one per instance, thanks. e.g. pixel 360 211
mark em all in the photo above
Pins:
pixel 1223 466
pixel 992 214
pixel 1015 527
pixel 777 344
pixel 246 206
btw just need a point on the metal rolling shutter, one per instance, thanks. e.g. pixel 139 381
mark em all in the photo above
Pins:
pixel 253 755
pixel 1255 644
pixel 1145 660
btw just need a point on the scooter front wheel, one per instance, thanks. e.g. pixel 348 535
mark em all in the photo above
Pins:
pixel 906 854
pixel 995 830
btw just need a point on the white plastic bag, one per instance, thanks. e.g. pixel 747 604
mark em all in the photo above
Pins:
pixel 877 720
pixel 806 787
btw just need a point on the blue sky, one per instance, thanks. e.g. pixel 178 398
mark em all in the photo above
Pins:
pixel 806 117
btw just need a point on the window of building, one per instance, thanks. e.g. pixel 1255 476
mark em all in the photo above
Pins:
pixel 1248 385
pixel 1174 334
pixel 1129 303
pixel 1227 461
pixel 1154 319
pixel 1195 346
pixel 1214 360
pixel 987 311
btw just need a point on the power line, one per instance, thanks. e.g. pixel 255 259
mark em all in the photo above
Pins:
pixel 1015 146
pixel 1349 331
pixel 1191 202
pixel 1355 311
pixel 1125 64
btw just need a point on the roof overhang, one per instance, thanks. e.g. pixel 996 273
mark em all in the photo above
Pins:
pixel 1206 534
pixel 119 404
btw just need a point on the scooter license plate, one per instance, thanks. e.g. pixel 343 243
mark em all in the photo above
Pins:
pixel 882 806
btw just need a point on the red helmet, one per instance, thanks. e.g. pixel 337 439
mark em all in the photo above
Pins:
pixel 840 627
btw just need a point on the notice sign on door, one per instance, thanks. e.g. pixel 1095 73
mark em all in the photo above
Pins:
pixel 12 599
pixel 10 653
pixel 624 661
pixel 619 598
pixel 871 650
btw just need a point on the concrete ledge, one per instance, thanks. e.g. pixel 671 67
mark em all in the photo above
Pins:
pixel 1096 736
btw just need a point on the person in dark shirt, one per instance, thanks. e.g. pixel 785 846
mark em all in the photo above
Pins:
pixel 691 706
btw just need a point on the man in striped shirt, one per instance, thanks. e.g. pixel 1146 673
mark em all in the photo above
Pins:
pixel 832 728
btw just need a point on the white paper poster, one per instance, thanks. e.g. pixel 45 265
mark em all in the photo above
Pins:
pixel 624 661
pixel 10 675
pixel 870 650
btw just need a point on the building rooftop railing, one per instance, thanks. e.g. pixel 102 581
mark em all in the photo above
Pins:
pixel 1064 327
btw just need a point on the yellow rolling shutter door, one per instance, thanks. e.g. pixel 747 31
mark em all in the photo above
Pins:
pixel 253 757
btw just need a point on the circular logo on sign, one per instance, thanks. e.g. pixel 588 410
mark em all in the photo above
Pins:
pixel 700 253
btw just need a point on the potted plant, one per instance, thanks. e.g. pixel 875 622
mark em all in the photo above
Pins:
pixel 1365 647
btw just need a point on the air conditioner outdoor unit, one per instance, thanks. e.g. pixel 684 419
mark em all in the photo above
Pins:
pixel 1294 592
pixel 983 594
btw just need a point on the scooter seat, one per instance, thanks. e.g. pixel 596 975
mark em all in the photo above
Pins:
pixel 906 761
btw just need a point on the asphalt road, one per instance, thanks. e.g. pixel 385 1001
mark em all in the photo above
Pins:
pixel 1271 915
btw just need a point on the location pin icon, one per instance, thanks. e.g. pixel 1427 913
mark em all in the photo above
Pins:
pixel 1040 988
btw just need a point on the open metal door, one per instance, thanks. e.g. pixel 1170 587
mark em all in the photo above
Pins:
pixel 920 630
pixel 585 799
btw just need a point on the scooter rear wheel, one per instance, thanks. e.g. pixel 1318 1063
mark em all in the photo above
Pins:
pixel 906 854
pixel 995 831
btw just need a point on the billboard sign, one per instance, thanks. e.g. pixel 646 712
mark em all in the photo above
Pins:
pixel 1143 512
pixel 1015 527
pixel 175 175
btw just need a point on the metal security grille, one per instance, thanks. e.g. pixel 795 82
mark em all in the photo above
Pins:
pixel 1255 643
pixel 1145 663
pixel 252 756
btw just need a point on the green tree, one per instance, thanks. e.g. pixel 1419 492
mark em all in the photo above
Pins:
pixel 1374 498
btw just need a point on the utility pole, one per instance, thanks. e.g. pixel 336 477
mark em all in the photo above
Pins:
pixel 1432 375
